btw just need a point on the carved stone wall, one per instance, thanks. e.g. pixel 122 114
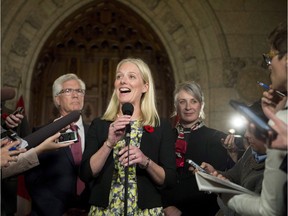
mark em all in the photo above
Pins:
pixel 212 42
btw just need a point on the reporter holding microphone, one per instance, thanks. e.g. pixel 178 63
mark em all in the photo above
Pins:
pixel 14 162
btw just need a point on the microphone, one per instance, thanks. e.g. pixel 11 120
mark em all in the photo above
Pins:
pixel 43 133
pixel 7 93
pixel 127 109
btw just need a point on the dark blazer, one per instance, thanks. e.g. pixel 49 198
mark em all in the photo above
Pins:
pixel 203 145
pixel 247 172
pixel 158 146
pixel 52 184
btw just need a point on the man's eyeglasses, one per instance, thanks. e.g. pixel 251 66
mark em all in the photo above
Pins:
pixel 69 91
pixel 269 56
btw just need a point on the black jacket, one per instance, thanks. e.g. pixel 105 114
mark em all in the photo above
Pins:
pixel 52 184
pixel 158 146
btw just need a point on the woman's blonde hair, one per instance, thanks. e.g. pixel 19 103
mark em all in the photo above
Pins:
pixel 148 105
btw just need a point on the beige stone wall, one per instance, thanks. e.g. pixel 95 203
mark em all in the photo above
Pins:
pixel 218 43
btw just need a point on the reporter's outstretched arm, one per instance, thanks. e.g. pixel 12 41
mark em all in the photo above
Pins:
pixel 8 156
pixel 29 159
pixel 50 144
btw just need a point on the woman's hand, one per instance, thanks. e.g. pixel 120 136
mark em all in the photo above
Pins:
pixel 207 167
pixel 51 144
pixel 218 175
pixel 135 156
pixel 117 129
pixel 281 128
pixel 7 155
pixel 229 142
pixel 13 121
pixel 172 211
pixel 272 101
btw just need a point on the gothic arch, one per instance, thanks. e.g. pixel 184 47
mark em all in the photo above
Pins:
pixel 188 30
pixel 90 42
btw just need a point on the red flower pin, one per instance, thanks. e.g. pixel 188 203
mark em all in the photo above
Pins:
pixel 149 128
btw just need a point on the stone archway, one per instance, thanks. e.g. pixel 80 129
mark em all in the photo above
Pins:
pixel 194 43
pixel 90 43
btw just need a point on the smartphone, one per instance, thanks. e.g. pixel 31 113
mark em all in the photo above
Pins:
pixel 262 127
pixel 19 110
pixel 196 166
pixel 68 136
pixel 12 135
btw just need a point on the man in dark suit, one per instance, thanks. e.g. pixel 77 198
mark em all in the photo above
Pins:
pixel 54 186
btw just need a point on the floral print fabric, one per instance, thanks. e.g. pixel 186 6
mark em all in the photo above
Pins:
pixel 117 192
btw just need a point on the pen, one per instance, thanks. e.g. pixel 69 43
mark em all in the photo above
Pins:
pixel 267 88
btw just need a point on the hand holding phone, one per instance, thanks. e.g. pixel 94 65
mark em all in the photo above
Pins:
pixel 19 110
pixel 196 166
pixel 12 136
pixel 67 137
pixel 264 130
pixel 15 121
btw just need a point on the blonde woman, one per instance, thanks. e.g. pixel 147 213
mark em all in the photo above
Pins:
pixel 150 159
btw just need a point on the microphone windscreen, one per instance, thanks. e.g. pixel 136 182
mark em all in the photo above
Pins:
pixel 7 93
pixel 43 133
pixel 127 109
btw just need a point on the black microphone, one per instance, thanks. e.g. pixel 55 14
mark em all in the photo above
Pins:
pixel 127 109
pixel 43 133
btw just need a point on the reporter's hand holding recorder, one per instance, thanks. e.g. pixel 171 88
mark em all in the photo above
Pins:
pixel 207 168
pixel 9 157
pixel 281 128
pixel 14 119
pixel 271 104
pixel 16 159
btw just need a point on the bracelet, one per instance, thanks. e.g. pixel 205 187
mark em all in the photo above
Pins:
pixel 147 164
pixel 110 147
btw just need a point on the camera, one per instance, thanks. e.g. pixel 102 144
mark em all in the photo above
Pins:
pixel 68 136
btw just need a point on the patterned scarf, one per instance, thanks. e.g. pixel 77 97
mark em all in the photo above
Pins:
pixel 181 144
